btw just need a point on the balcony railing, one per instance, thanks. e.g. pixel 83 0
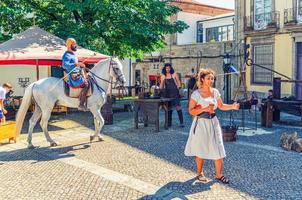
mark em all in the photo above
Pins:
pixel 292 16
pixel 262 21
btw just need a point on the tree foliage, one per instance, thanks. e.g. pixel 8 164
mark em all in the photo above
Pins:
pixel 127 28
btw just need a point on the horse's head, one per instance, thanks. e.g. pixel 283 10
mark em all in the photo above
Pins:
pixel 116 72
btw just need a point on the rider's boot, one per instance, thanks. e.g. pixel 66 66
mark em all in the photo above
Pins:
pixel 83 99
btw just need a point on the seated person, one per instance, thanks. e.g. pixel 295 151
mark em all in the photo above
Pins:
pixel 270 94
pixel 76 78
pixel 6 88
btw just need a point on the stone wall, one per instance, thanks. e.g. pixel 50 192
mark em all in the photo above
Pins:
pixel 183 59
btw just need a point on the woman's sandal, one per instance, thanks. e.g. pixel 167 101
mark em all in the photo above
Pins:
pixel 202 178
pixel 223 180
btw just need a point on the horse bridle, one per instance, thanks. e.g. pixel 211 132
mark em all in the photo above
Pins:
pixel 115 71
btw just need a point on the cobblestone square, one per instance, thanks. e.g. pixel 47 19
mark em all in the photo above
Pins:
pixel 141 164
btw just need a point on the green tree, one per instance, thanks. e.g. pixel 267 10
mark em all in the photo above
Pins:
pixel 121 27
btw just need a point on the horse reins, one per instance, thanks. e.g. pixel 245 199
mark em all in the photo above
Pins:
pixel 105 80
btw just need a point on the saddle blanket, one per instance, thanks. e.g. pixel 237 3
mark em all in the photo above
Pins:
pixel 75 92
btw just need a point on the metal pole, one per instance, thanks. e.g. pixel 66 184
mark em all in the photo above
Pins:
pixel 229 87
pixel 130 72
pixel 130 78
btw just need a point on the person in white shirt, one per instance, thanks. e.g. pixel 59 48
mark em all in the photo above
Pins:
pixel 6 87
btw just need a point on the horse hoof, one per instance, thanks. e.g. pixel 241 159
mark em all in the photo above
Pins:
pixel 53 144
pixel 100 139
pixel 91 138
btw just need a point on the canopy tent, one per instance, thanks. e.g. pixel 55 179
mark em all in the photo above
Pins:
pixel 38 47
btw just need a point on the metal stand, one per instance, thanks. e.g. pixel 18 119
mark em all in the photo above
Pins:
pixel 243 127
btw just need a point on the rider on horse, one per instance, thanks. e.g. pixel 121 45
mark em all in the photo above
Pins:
pixel 76 78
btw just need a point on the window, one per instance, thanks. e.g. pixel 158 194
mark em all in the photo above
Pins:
pixel 199 32
pixel 230 32
pixel 221 33
pixel 263 55
pixel 299 11
pixel 263 13
pixel 212 34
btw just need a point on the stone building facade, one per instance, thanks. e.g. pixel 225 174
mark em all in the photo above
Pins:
pixel 271 30
pixel 185 57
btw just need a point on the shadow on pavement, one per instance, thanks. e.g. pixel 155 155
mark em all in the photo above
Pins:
pixel 81 118
pixel 41 154
pixel 189 187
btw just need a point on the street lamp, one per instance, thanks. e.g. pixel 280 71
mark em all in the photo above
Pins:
pixel 226 59
pixel 227 77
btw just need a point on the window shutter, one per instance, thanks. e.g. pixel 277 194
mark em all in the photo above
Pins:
pixel 252 8
pixel 252 17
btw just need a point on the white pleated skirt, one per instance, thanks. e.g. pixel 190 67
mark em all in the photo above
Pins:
pixel 206 141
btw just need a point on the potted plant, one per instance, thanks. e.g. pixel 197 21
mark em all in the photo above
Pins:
pixel 229 133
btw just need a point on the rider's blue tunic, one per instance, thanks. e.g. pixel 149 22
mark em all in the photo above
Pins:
pixel 68 63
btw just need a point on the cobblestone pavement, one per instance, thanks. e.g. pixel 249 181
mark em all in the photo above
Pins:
pixel 141 164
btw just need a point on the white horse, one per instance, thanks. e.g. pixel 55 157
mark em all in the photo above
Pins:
pixel 45 93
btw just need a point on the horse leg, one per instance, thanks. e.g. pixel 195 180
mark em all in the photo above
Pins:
pixel 44 123
pixel 32 122
pixel 98 124
pixel 96 128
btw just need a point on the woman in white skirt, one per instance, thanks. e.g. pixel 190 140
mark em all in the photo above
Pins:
pixel 205 138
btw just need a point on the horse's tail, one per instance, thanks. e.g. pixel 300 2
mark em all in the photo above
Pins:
pixel 26 101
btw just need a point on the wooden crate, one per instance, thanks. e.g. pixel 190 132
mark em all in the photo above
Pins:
pixel 8 131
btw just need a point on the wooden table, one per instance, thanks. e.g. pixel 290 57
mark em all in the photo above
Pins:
pixel 150 109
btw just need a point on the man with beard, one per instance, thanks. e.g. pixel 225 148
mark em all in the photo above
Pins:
pixel 76 78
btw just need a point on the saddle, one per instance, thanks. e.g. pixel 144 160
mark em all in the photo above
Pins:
pixel 75 92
